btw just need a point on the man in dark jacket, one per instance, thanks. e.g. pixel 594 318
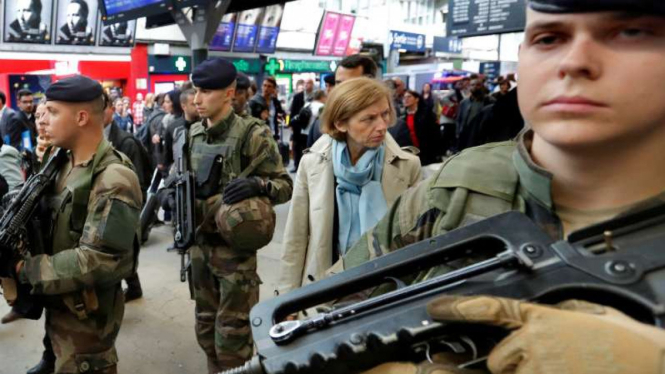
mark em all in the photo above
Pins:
pixel 497 122
pixel 132 148
pixel 302 98
pixel 267 101
pixel 18 128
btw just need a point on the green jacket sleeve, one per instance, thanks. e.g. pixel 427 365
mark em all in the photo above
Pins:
pixel 105 254
pixel 410 219
pixel 271 170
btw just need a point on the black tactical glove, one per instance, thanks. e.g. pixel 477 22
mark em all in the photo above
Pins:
pixel 243 188
pixel 8 266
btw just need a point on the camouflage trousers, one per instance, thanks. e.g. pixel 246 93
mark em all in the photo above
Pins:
pixel 226 287
pixel 88 345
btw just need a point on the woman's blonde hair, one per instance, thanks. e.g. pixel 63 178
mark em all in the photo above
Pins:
pixel 349 98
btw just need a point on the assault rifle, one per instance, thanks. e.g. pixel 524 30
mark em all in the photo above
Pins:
pixel 149 211
pixel 185 215
pixel 15 240
pixel 619 263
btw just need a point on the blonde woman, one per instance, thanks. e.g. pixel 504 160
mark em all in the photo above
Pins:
pixel 345 183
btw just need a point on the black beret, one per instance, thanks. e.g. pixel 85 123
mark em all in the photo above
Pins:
pixel 214 74
pixel 76 89
pixel 586 6
pixel 243 82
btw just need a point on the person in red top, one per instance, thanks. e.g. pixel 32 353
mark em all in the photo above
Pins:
pixel 411 101
pixel 137 110
pixel 419 128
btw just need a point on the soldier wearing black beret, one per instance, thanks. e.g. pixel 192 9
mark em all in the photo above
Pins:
pixel 590 88
pixel 239 177
pixel 242 95
pixel 94 202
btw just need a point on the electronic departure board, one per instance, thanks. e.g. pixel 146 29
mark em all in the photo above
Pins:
pixel 485 17
pixel 121 10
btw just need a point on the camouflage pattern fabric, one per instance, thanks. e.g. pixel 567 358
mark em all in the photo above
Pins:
pixel 224 277
pixel 478 183
pixel 248 225
pixel 79 280
pixel 226 287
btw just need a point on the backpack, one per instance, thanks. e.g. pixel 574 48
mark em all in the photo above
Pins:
pixel 301 120
pixel 146 162
pixel 143 135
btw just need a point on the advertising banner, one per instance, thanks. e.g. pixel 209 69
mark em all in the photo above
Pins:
pixel 223 38
pixel 248 28
pixel 269 31
pixel 327 34
pixel 24 24
pixel 344 30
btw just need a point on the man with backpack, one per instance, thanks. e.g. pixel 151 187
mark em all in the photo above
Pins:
pixel 301 123
pixel 134 150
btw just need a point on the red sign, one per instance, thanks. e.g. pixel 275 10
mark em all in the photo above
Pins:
pixel 334 34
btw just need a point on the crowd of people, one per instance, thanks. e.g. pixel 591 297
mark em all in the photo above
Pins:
pixel 358 146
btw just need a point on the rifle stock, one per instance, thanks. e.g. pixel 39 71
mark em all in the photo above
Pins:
pixel 614 263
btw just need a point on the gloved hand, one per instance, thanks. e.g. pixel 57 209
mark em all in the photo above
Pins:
pixel 243 188
pixel 574 337
pixel 8 265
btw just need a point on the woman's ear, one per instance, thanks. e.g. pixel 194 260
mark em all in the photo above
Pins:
pixel 341 126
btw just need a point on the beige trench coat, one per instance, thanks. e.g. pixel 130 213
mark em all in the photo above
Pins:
pixel 308 238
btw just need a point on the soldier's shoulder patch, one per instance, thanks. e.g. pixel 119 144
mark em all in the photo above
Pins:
pixel 120 182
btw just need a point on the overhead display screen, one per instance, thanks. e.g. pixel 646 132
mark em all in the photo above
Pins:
pixel 485 17
pixel 28 21
pixel 269 31
pixel 117 6
pixel 118 10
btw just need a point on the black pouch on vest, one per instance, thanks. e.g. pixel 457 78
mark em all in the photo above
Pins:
pixel 209 176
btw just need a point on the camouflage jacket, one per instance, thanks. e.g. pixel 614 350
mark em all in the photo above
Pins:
pixel 475 184
pixel 101 253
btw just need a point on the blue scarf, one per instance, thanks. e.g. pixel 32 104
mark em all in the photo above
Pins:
pixel 360 199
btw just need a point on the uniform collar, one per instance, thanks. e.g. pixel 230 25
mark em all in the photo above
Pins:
pixel 535 180
pixel 220 127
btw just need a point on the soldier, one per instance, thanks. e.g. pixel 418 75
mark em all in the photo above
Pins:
pixel 94 202
pixel 590 73
pixel 242 96
pixel 239 176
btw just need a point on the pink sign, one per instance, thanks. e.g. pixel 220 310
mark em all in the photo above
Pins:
pixel 344 31
pixel 327 34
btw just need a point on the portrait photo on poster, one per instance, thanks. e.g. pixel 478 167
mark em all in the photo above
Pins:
pixel 76 22
pixel 119 34
pixel 273 16
pixel 28 21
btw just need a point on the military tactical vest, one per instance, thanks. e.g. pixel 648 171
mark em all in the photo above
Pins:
pixel 216 164
pixel 69 210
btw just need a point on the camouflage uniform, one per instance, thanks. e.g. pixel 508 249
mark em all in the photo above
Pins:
pixel 224 277
pixel 93 206
pixel 478 183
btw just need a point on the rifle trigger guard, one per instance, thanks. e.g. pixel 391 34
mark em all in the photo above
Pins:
pixel 398 282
